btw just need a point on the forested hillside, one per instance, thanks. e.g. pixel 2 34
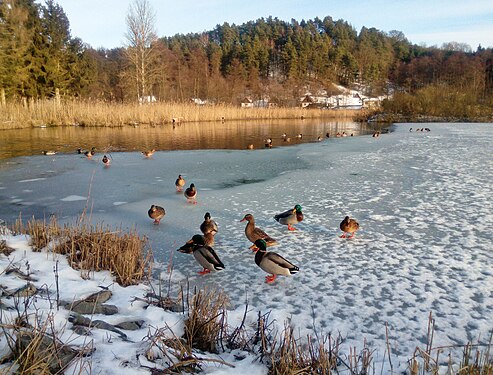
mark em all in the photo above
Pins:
pixel 266 57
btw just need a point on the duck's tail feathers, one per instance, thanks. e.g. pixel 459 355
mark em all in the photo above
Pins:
pixel 293 270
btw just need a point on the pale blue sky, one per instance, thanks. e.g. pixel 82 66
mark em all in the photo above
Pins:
pixel 101 23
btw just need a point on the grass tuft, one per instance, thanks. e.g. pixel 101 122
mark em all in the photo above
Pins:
pixel 93 248
pixel 206 320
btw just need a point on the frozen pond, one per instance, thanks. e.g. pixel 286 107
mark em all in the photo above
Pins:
pixel 423 200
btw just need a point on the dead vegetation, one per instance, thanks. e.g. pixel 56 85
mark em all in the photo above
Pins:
pixel 86 113
pixel 93 248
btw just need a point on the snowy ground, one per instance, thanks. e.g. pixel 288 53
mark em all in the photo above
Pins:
pixel 423 200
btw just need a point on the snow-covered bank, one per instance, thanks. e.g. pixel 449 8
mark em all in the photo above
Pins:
pixel 423 200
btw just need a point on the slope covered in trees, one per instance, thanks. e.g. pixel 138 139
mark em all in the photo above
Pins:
pixel 266 57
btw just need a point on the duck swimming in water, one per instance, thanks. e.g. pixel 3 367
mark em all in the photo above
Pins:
pixel 253 234
pixel 203 254
pixel 156 213
pixel 290 217
pixel 349 226
pixel 272 263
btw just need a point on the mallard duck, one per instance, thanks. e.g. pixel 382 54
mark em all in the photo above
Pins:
pixel 90 154
pixel 208 240
pixel 319 139
pixel 272 262
pixel 148 153
pixel 203 254
pixel 179 183
pixel 106 160
pixel 208 225
pixel 348 226
pixel 49 152
pixel 299 136
pixel 191 194
pixel 253 234
pixel 250 146
pixel 156 213
pixel 290 217
pixel 268 143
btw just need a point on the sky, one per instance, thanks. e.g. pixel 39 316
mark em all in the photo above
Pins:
pixel 425 22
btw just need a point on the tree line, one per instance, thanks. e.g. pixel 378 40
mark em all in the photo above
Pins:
pixel 266 57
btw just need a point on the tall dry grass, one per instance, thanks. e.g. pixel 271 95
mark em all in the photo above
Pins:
pixel 89 113
pixel 93 248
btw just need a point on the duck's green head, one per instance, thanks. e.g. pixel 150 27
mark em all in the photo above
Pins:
pixel 297 208
pixel 261 245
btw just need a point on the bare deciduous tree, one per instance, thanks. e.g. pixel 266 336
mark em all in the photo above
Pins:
pixel 141 37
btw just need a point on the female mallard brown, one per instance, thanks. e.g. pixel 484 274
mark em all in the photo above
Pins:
pixel 179 183
pixel 203 254
pixel 253 234
pixel 348 226
pixel 191 194
pixel 156 213
pixel 208 225
pixel 290 217
pixel 148 153
pixel 272 262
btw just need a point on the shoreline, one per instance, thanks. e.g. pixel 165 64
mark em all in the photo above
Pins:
pixel 49 113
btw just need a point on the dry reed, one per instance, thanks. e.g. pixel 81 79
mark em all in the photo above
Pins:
pixel 37 113
pixel 93 248
pixel 206 320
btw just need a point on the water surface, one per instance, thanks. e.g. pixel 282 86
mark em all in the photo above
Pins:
pixel 188 136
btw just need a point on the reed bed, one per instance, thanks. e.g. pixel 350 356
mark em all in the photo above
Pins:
pixel 93 248
pixel 37 113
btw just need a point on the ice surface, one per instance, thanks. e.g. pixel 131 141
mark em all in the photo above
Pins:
pixel 423 200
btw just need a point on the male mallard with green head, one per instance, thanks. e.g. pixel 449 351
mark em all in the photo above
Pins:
pixel 156 213
pixel 191 194
pixel 203 254
pixel 90 154
pixel 208 225
pixel 349 226
pixel 290 217
pixel 106 161
pixel 253 234
pixel 179 183
pixel 272 262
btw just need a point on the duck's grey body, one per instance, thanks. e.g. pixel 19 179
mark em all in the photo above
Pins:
pixel 203 253
pixel 290 217
pixel 273 263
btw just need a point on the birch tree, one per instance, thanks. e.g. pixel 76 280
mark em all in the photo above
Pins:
pixel 140 50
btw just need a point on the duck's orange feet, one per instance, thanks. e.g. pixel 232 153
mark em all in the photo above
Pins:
pixel 270 279
pixel 291 228
pixel 204 272
pixel 351 236
pixel 156 222
pixel 343 235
